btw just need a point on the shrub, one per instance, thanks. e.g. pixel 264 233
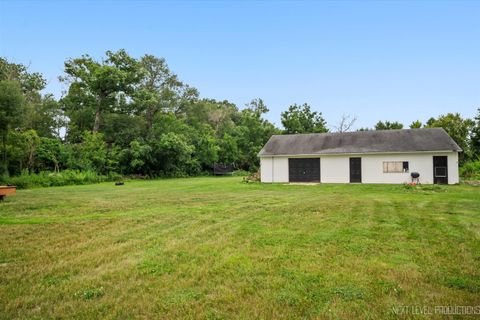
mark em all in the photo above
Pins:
pixel 240 173
pixel 471 170
pixel 49 179
pixel 253 177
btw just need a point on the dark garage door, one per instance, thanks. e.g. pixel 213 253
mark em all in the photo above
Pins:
pixel 440 170
pixel 355 170
pixel 304 169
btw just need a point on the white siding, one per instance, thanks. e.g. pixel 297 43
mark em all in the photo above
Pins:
pixel 266 165
pixel 453 176
pixel 336 168
pixel 372 168
pixel 280 169
pixel 274 169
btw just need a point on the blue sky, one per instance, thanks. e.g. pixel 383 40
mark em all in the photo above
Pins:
pixel 377 60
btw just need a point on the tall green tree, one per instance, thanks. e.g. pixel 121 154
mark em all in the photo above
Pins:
pixel 174 153
pixel 416 124
pixel 388 125
pixel 458 128
pixel 31 83
pixel 45 116
pixel 210 114
pixel 251 133
pixel 93 154
pixel 301 119
pixel 38 108
pixel 159 88
pixel 228 149
pixel 257 106
pixel 99 86
pixel 136 158
pixel 22 150
pixel 11 113
pixel 51 154
pixel 475 136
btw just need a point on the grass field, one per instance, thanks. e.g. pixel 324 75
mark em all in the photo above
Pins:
pixel 216 248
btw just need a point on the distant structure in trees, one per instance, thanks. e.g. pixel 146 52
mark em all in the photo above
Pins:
pixel 221 169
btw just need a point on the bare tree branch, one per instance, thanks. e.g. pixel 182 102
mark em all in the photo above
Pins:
pixel 346 122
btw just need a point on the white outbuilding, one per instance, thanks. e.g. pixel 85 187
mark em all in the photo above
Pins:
pixel 380 156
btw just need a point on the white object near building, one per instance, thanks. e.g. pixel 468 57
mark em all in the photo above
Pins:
pixel 383 156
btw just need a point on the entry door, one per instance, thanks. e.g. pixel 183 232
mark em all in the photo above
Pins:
pixel 440 170
pixel 356 170
pixel 304 169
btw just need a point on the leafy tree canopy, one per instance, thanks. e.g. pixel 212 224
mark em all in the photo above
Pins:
pixel 416 124
pixel 301 119
pixel 457 127
pixel 388 125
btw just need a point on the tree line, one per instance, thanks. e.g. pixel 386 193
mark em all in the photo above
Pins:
pixel 134 116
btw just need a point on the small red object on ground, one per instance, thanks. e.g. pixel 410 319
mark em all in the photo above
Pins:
pixel 7 191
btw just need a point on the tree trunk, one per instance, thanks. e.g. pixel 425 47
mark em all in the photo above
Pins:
pixel 31 159
pixel 149 119
pixel 98 111
pixel 96 125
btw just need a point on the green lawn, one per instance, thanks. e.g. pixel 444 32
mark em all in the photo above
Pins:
pixel 217 248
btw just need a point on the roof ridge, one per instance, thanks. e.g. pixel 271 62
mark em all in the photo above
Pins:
pixel 362 131
pixel 398 140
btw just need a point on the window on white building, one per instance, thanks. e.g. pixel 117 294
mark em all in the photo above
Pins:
pixel 395 166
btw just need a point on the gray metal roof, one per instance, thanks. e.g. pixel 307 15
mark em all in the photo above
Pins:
pixel 403 140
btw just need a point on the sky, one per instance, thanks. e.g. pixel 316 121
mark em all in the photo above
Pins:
pixel 392 60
